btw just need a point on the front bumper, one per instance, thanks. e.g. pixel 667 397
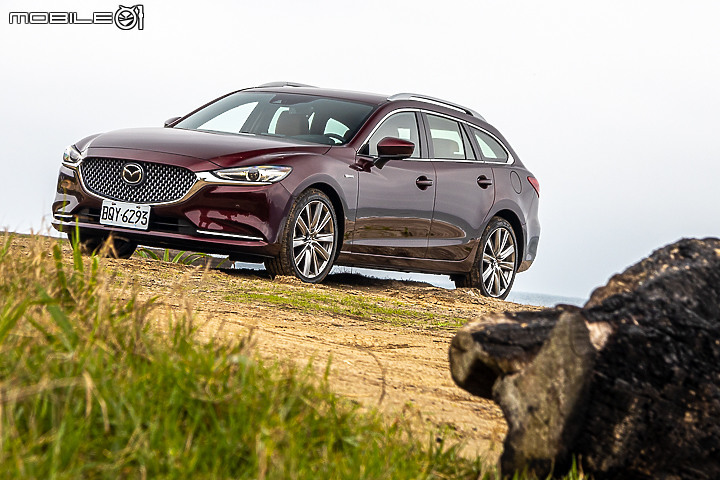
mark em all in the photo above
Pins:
pixel 214 217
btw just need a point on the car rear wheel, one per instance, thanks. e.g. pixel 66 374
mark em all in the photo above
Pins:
pixel 309 241
pixel 495 265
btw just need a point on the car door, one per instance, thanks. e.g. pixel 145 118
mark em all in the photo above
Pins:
pixel 395 203
pixel 464 192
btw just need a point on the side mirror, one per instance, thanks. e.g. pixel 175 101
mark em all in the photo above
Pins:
pixel 391 148
pixel 170 121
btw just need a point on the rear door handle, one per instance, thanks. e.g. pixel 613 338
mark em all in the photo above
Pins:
pixel 423 182
pixel 484 182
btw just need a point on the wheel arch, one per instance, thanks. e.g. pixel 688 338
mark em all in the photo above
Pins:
pixel 337 204
pixel 517 227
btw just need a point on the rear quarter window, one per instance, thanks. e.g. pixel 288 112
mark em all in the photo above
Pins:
pixel 491 149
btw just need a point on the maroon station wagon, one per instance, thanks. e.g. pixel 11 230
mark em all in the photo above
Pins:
pixel 303 178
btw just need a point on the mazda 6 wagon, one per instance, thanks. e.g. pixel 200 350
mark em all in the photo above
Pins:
pixel 302 178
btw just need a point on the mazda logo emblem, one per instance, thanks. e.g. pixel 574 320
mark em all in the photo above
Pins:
pixel 132 174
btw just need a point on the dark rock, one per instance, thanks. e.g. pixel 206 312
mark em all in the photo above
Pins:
pixel 630 383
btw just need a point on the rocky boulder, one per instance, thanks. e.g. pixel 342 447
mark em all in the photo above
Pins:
pixel 629 384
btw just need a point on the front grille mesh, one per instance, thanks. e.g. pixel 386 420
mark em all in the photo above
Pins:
pixel 162 183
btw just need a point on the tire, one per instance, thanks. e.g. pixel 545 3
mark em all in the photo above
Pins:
pixel 309 240
pixel 121 248
pixel 88 244
pixel 96 245
pixel 496 261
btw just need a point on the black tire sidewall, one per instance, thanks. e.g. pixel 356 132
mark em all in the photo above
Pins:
pixel 95 245
pixel 122 248
pixel 89 244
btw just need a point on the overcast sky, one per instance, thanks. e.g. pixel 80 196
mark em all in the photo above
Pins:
pixel 614 105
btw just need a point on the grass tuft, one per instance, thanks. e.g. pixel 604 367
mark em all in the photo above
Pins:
pixel 88 388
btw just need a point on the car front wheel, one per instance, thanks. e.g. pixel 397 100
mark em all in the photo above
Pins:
pixel 112 247
pixel 495 265
pixel 309 241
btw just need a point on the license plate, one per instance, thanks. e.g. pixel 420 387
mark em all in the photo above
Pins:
pixel 129 215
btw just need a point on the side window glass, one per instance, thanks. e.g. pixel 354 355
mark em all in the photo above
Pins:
pixel 491 149
pixel 401 125
pixel 447 138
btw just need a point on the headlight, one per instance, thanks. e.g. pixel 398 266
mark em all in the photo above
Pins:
pixel 261 174
pixel 72 155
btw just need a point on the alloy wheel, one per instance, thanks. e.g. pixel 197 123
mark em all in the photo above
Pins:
pixel 313 239
pixel 498 262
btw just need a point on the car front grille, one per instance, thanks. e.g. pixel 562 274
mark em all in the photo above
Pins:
pixel 160 183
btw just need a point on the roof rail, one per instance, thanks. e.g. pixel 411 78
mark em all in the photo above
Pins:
pixel 435 101
pixel 284 84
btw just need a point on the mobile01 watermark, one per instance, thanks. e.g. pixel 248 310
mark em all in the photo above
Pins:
pixel 124 18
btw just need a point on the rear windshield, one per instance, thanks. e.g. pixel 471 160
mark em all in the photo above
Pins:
pixel 302 117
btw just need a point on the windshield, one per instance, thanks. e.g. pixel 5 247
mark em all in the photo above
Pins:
pixel 290 115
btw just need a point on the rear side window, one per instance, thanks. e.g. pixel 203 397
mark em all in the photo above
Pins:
pixel 400 125
pixel 447 138
pixel 491 150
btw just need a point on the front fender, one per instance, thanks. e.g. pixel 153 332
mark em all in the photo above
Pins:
pixel 334 171
pixel 334 175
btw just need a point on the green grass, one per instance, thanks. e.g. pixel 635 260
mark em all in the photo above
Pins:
pixel 309 300
pixel 89 389
pixel 96 387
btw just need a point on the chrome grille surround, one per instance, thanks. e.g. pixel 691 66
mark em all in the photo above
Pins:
pixel 162 183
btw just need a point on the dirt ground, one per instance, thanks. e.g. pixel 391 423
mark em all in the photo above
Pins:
pixel 397 365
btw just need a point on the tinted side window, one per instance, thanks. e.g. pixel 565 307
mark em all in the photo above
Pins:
pixel 400 125
pixel 491 149
pixel 446 137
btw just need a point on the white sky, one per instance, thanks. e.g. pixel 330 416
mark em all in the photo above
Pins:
pixel 614 105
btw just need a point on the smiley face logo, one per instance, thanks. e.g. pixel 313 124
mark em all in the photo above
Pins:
pixel 127 18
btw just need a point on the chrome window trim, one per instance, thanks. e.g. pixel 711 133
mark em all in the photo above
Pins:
pixel 510 160
pixel 375 128
pixel 435 101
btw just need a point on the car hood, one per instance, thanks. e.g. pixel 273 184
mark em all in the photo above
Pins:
pixel 223 150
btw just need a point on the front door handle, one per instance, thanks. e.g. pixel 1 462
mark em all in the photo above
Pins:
pixel 423 182
pixel 483 182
